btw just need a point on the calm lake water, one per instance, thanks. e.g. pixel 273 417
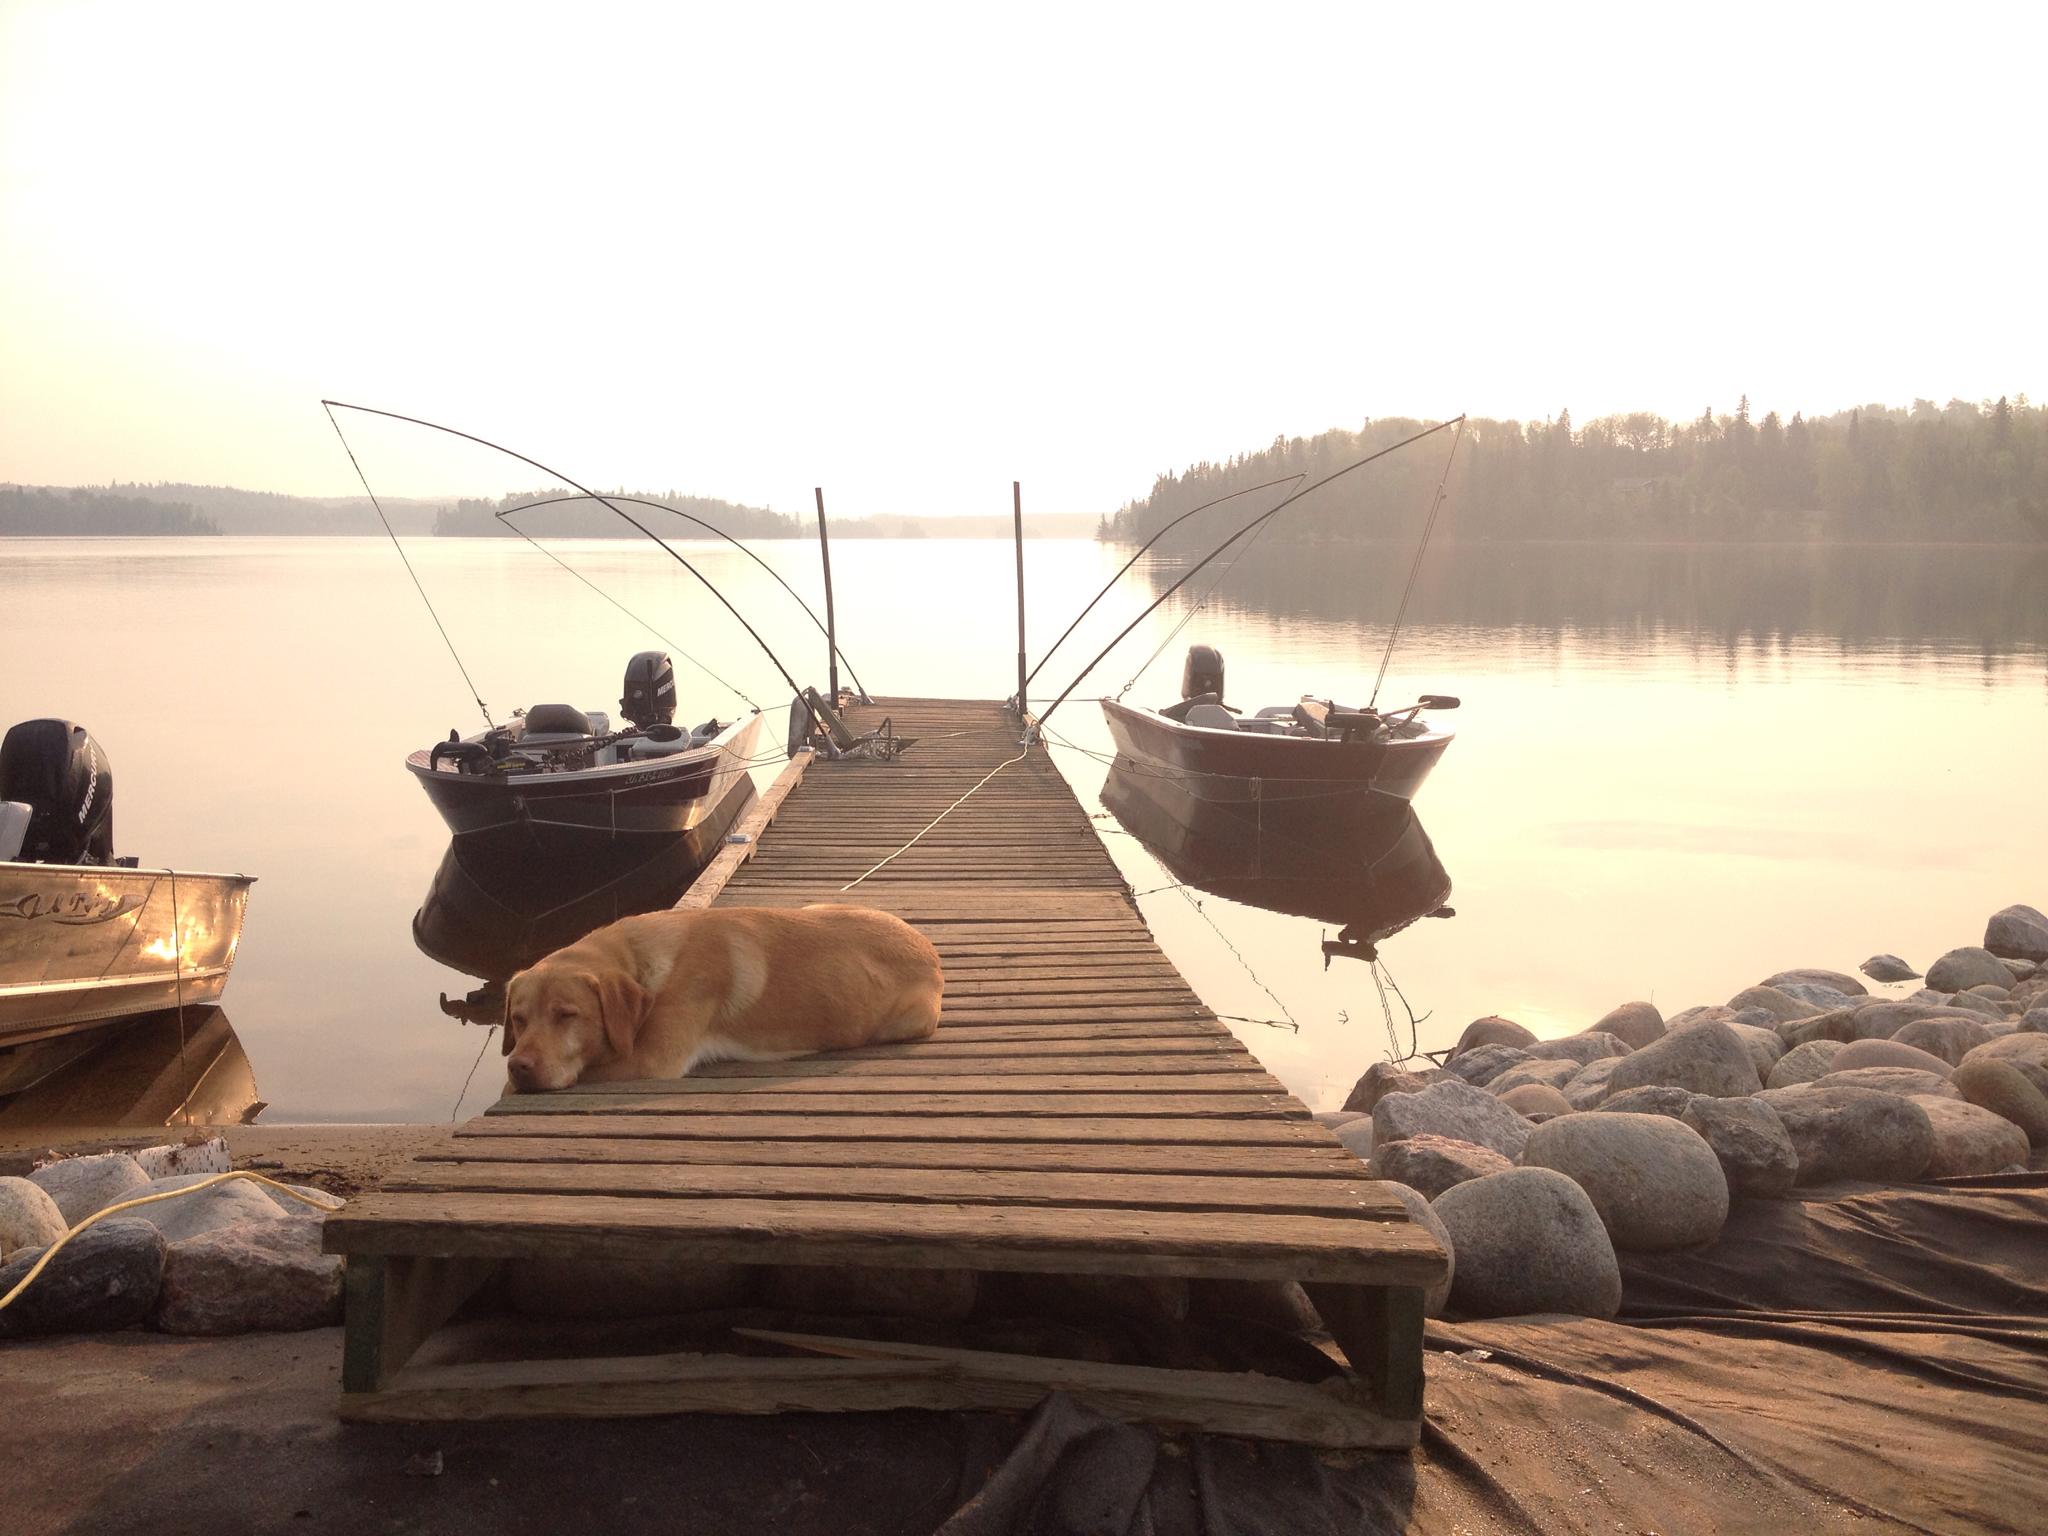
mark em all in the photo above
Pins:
pixel 1676 770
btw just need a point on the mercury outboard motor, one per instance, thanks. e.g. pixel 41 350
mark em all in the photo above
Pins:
pixel 62 775
pixel 1202 672
pixel 650 697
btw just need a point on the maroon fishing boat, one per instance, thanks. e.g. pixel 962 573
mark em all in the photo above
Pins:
pixel 1299 754
pixel 558 778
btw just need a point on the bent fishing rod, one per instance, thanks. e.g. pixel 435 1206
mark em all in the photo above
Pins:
pixel 1257 522
pixel 330 406
pixel 1162 533
pixel 660 506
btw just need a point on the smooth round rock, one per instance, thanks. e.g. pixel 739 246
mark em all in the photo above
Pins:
pixel 1970 966
pixel 1654 1180
pixel 29 1218
pixel 1491 1030
pixel 1764 1045
pixel 1536 1101
pixel 249 1277
pixel 1751 1143
pixel 1948 1039
pixel 1424 1215
pixel 234 1203
pixel 2003 1089
pixel 1976 1002
pixel 1429 1165
pixel 1907 1080
pixel 1837 1024
pixel 1381 1079
pixel 1814 976
pixel 83 1185
pixel 1587 1089
pixel 2027 1052
pixel 103 1280
pixel 1882 1020
pixel 1456 1110
pixel 1357 1137
pixel 1482 1064
pixel 1819 996
pixel 1703 1058
pixel 1634 1024
pixel 1656 1099
pixel 1552 1074
pixel 2033 1022
pixel 1529 1240
pixel 1804 1063
pixel 1888 968
pixel 1779 1005
pixel 2017 933
pixel 1969 1139
pixel 1593 1045
pixel 1853 1133
pixel 1890 1053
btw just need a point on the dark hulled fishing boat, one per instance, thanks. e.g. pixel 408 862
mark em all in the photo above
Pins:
pixel 557 778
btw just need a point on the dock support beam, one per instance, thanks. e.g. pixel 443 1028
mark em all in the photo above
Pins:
pixel 1017 515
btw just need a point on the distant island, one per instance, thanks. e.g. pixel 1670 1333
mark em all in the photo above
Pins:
pixel 1965 472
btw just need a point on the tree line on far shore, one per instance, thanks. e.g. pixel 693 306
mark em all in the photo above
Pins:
pixel 1967 471
pixel 50 511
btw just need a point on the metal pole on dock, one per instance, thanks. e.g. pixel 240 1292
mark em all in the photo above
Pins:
pixel 831 625
pixel 1017 513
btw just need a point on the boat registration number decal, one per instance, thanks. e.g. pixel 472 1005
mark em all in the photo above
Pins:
pixel 70 907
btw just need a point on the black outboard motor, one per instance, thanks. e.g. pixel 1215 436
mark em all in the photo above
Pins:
pixel 1202 672
pixel 63 776
pixel 650 690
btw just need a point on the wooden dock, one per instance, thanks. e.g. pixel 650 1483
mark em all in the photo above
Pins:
pixel 1079 1112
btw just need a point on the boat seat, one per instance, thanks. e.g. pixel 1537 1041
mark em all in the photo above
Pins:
pixel 1213 717
pixel 1178 713
pixel 556 720
pixel 1309 720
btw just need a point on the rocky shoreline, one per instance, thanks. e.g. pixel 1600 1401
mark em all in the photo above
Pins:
pixel 1537 1161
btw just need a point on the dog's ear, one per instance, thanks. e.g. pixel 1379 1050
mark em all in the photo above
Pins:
pixel 625 1003
pixel 505 1017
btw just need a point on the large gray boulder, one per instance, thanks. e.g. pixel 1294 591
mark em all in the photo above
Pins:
pixel 1853 1133
pixel 1551 1073
pixel 1906 1080
pixel 1528 1240
pixel 1590 1086
pixel 1456 1110
pixel 1890 1053
pixel 249 1277
pixel 2034 1022
pixel 1491 1030
pixel 1765 1046
pixel 1536 1101
pixel 1750 1141
pixel 1961 969
pixel 1818 996
pixel 1356 1135
pixel 103 1280
pixel 234 1203
pixel 1704 1058
pixel 1429 1165
pixel 1383 1078
pixel 1779 1005
pixel 1424 1215
pixel 1837 1024
pixel 1888 968
pixel 83 1185
pixel 29 1218
pixel 1482 1064
pixel 1814 976
pixel 1594 1045
pixel 1654 1180
pixel 1949 1039
pixel 1977 1002
pixel 1634 1024
pixel 1656 1099
pixel 2017 933
pixel 2003 1089
pixel 1804 1063
pixel 1969 1139
pixel 2028 1052
pixel 1882 1020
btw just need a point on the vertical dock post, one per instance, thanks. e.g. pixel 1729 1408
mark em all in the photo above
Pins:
pixel 831 624
pixel 1017 513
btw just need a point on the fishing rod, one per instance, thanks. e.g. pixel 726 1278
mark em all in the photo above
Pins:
pixel 370 410
pixel 1162 533
pixel 1256 522
pixel 637 501
pixel 1415 566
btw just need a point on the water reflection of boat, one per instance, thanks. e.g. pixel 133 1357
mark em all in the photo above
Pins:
pixel 493 909
pixel 87 939
pixel 1373 871
pixel 149 1072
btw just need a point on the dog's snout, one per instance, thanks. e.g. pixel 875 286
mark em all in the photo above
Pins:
pixel 523 1073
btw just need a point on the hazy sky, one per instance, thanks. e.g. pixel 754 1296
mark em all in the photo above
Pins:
pixel 915 253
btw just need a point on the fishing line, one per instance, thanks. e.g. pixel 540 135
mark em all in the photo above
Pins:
pixel 328 406
pixel 1189 617
pixel 1195 570
pixel 637 501
pixel 484 442
pixel 1415 567
pixel 489 1034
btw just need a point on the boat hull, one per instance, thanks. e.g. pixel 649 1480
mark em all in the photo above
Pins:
pixel 1315 777
pixel 82 945
pixel 644 800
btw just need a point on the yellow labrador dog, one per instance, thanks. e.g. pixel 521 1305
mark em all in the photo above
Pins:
pixel 655 995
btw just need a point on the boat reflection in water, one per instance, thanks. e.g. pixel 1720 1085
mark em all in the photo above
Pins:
pixel 494 909
pixel 145 1072
pixel 1367 866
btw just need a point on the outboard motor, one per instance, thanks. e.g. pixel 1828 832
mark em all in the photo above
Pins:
pixel 1202 672
pixel 650 697
pixel 62 775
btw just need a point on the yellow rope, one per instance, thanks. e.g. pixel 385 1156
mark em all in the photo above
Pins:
pixel 50 1252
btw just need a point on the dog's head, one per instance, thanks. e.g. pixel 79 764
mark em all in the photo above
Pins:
pixel 562 1020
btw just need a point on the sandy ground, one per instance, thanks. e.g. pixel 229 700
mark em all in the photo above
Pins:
pixel 343 1158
